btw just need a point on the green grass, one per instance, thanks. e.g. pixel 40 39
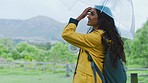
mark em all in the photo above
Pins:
pixel 30 76
pixel 18 75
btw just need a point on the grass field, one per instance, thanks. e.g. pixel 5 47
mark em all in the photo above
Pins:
pixel 20 76
pixel 38 76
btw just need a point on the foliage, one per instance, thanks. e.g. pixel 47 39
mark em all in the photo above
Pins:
pixel 6 46
pixel 137 49
pixel 29 52
pixel 60 53
pixel 44 46
pixel 36 52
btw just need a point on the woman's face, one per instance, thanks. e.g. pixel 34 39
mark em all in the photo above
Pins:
pixel 93 18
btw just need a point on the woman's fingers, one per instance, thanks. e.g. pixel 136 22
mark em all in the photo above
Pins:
pixel 84 13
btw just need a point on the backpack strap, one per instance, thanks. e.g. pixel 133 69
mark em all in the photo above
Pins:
pixel 95 69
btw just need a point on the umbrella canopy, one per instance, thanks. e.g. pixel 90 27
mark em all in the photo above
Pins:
pixel 121 11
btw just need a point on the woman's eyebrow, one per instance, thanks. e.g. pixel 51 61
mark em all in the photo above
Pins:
pixel 92 12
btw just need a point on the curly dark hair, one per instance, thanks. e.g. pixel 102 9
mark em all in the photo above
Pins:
pixel 106 23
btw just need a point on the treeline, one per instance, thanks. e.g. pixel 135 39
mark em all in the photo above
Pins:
pixel 41 52
pixel 136 50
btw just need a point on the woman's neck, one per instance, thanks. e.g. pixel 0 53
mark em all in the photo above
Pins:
pixel 96 27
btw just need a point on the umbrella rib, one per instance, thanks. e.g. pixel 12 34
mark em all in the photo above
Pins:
pixel 104 3
pixel 120 18
pixel 74 4
pixel 71 6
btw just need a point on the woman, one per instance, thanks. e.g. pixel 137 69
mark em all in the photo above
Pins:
pixel 103 35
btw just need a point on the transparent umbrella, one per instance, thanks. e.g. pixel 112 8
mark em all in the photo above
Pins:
pixel 122 13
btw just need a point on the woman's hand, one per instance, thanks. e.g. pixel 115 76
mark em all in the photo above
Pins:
pixel 84 13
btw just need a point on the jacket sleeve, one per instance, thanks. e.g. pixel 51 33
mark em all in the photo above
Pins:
pixel 83 41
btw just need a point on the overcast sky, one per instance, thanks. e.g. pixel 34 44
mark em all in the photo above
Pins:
pixel 24 9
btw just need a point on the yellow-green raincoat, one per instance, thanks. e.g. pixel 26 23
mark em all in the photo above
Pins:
pixel 90 42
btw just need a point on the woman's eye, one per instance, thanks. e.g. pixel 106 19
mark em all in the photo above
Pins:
pixel 91 13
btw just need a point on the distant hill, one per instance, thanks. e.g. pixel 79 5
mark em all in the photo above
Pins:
pixel 39 28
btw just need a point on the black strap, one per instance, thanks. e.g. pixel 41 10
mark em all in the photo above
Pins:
pixel 95 69
pixel 77 63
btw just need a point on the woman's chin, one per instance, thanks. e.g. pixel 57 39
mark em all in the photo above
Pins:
pixel 88 24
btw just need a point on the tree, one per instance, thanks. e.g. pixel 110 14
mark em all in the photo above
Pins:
pixel 137 50
pixel 6 46
pixel 44 46
pixel 59 53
